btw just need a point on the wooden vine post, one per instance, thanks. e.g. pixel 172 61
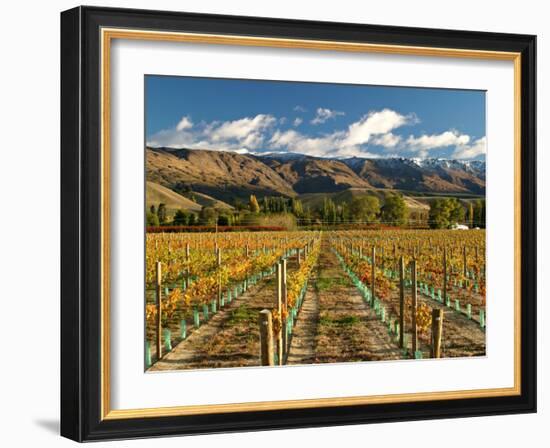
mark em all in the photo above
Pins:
pixel 373 274
pixel 414 309
pixel 187 261
pixel 464 261
pixel 444 275
pixel 266 338
pixel 437 332
pixel 401 300
pixel 284 303
pixel 219 264
pixel 158 279
pixel 280 312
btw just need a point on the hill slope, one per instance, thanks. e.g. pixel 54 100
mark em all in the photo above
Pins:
pixel 315 175
pixel 430 175
pixel 222 175
pixel 156 194
pixel 316 200
pixel 207 201
pixel 218 178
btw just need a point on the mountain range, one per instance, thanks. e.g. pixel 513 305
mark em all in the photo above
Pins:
pixel 222 176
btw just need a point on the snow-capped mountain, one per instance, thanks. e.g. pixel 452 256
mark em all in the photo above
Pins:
pixel 224 174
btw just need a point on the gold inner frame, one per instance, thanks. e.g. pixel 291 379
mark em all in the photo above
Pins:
pixel 107 35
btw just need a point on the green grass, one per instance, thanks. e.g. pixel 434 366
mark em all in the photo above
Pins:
pixel 324 283
pixel 343 321
pixel 242 314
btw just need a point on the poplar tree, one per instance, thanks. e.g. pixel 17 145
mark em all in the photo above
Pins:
pixel 253 204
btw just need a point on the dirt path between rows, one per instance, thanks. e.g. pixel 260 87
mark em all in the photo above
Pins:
pixel 462 337
pixel 334 325
pixel 228 339
pixel 302 344
pixel 339 327
pixel 231 338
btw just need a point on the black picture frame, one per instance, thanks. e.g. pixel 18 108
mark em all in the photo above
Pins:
pixel 81 224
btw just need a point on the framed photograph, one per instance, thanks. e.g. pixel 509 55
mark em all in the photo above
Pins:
pixel 274 223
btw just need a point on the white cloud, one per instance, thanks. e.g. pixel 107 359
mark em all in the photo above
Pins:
pixel 374 123
pixel 253 140
pixel 185 123
pixel 425 143
pixel 323 114
pixel 299 109
pixel 388 140
pixel 241 129
pixel 447 138
pixel 476 149
pixel 172 138
pixel 261 133
pixel 283 139
pixel 294 141
pixel 247 133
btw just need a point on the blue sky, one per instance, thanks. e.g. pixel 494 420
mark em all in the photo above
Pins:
pixel 326 120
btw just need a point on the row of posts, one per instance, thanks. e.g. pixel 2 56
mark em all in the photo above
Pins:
pixel 281 293
pixel 265 320
pixel 437 314
pixel 158 292
pixel 267 349
pixel 416 252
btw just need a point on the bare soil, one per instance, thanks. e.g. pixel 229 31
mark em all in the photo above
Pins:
pixel 335 324
pixel 462 337
pixel 229 339
pixel 346 329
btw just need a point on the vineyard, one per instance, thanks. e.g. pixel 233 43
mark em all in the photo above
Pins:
pixel 279 297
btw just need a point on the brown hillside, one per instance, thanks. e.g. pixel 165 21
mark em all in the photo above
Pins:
pixel 206 201
pixel 313 175
pixel 219 178
pixel 222 175
pixel 156 194
pixel 403 174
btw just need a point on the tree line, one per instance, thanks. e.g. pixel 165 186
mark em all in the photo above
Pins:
pixel 364 209
pixel 446 212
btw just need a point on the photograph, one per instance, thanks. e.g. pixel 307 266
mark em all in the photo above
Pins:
pixel 274 223
pixel 299 223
